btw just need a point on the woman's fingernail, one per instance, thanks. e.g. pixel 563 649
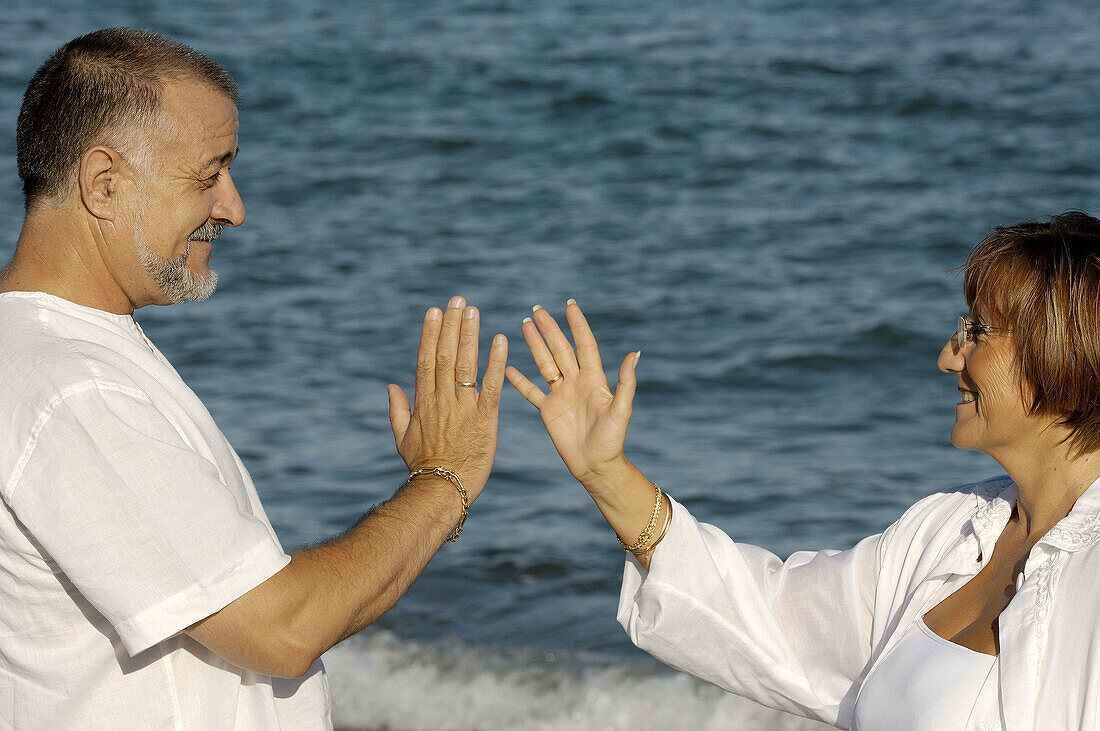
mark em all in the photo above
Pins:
pixel 637 357
pixel 570 302
pixel 536 308
pixel 527 319
pixel 469 313
pixel 499 340
pixel 435 313
pixel 457 302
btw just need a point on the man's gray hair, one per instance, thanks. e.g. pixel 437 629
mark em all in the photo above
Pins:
pixel 103 88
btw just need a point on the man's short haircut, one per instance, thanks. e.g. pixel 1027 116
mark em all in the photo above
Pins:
pixel 1041 280
pixel 102 88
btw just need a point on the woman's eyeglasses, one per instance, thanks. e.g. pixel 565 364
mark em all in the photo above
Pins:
pixel 967 330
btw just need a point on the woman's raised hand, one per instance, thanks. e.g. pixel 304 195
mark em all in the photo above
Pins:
pixel 586 422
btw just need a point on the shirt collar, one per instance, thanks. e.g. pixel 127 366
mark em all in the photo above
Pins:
pixel 1081 528
pixel 995 500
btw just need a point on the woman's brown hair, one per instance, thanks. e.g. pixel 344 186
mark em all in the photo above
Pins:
pixel 1041 280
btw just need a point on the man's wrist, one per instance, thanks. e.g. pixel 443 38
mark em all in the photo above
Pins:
pixel 454 501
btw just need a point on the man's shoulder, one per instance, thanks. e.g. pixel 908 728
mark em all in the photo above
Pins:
pixel 48 352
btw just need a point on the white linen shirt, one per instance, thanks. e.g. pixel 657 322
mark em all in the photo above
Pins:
pixel 127 517
pixel 801 635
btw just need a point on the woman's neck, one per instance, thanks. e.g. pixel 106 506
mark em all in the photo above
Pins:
pixel 1048 484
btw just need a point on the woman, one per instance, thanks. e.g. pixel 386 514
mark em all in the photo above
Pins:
pixel 977 609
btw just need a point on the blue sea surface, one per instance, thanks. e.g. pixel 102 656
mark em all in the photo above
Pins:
pixel 766 198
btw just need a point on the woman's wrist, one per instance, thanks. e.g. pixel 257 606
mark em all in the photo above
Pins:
pixel 608 477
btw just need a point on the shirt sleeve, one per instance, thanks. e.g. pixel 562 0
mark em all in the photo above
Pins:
pixel 138 521
pixel 794 635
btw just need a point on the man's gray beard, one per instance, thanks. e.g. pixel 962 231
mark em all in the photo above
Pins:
pixel 176 281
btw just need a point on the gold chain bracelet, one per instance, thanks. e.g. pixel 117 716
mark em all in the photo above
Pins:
pixel 643 539
pixel 451 477
pixel 668 521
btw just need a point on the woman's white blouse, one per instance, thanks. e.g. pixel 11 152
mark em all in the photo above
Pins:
pixel 926 683
pixel 801 635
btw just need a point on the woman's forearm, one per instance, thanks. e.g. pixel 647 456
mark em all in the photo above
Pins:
pixel 625 497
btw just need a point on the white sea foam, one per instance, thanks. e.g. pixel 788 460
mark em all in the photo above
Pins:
pixel 379 681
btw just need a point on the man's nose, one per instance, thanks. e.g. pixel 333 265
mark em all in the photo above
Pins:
pixel 229 208
pixel 951 359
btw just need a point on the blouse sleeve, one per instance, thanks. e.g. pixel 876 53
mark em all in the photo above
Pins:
pixel 794 635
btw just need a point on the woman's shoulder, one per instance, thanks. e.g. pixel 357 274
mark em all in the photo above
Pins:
pixel 974 495
pixel 948 509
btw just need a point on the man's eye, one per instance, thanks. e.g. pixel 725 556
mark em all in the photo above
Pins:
pixel 213 179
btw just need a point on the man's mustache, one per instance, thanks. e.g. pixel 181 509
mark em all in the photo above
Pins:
pixel 206 232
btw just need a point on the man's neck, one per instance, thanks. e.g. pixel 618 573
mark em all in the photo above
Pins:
pixel 58 254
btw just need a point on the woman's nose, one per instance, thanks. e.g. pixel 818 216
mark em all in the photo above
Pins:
pixel 951 359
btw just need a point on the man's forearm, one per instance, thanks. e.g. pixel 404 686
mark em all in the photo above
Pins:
pixel 331 591
pixel 370 567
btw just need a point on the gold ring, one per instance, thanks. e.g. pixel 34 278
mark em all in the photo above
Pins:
pixel 555 379
pixel 466 384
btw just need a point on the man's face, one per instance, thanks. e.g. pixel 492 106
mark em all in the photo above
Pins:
pixel 181 206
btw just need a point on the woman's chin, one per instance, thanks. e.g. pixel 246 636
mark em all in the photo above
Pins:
pixel 960 439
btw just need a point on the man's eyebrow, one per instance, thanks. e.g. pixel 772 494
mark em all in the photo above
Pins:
pixel 220 160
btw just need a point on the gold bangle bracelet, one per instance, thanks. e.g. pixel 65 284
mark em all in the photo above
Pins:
pixel 451 477
pixel 643 539
pixel 661 537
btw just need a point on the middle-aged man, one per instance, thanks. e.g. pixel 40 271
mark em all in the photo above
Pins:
pixel 141 584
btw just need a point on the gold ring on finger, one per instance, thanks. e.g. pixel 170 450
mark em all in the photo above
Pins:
pixel 555 379
pixel 466 384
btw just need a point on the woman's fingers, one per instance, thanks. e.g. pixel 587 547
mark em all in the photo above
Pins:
pixel 466 361
pixel 526 389
pixel 446 352
pixel 622 404
pixel 544 360
pixel 588 354
pixel 493 382
pixel 564 358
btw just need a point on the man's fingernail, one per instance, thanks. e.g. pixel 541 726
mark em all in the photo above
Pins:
pixel 500 340
pixel 536 308
pixel 457 302
pixel 570 301
pixel 469 313
pixel 435 313
pixel 637 357
pixel 527 319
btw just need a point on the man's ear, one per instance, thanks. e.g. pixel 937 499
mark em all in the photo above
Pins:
pixel 99 180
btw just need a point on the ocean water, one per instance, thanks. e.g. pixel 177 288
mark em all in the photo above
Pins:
pixel 766 198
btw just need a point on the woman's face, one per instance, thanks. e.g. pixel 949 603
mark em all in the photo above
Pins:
pixel 991 415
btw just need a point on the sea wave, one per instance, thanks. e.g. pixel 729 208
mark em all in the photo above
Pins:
pixel 380 681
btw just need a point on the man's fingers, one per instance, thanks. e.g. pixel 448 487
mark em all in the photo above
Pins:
pixel 446 349
pixel 466 362
pixel 622 404
pixel 425 356
pixel 588 354
pixel 564 357
pixel 400 413
pixel 493 382
pixel 544 360
pixel 526 389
